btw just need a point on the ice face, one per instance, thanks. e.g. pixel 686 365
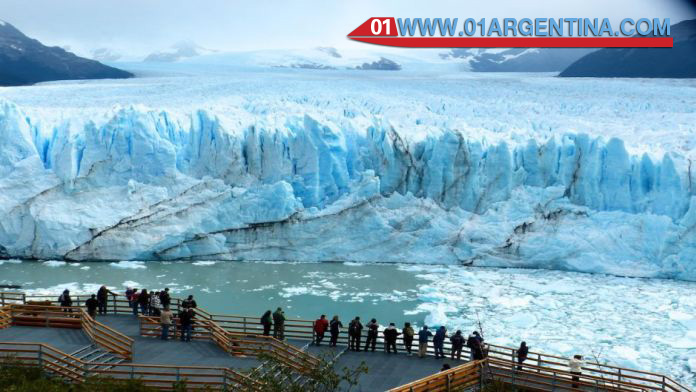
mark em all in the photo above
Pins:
pixel 256 180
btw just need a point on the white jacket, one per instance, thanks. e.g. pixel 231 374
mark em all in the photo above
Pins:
pixel 576 365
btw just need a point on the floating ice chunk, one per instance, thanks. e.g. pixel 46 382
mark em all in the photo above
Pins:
pixel 10 261
pixel 131 284
pixel 204 263
pixel 54 263
pixel 522 320
pixel 125 264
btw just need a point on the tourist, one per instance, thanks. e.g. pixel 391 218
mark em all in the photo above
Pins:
pixel 522 353
pixel 372 329
pixel 355 333
pixel 267 322
pixel 576 364
pixel 408 337
pixel 155 304
pixel 129 296
pixel 144 301
pixel 279 324
pixel 457 344
pixel 65 301
pixel 335 327
pixel 445 367
pixel 423 335
pixel 320 327
pixel 134 301
pixel 439 342
pixel 92 304
pixel 166 317
pixel 186 318
pixel 390 334
pixel 474 342
pixel 165 299
pixel 189 303
pixel 102 299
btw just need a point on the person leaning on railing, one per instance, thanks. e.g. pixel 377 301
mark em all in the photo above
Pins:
pixel 408 337
pixel 267 322
pixel 102 299
pixel 575 364
pixel 279 324
pixel 335 328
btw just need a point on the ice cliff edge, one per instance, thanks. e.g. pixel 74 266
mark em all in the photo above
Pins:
pixel 150 185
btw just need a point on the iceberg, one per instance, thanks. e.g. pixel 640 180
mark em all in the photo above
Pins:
pixel 143 184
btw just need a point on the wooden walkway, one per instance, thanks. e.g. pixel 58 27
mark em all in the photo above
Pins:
pixel 225 348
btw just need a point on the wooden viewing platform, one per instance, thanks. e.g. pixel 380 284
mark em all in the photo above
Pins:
pixel 225 350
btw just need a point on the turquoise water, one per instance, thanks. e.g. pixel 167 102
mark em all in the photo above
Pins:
pixel 647 324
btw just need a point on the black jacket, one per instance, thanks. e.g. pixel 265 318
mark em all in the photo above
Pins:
pixel 335 326
pixel 390 334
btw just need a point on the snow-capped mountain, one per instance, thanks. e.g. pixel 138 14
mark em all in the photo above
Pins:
pixel 518 59
pixel 178 51
pixel 676 62
pixel 26 61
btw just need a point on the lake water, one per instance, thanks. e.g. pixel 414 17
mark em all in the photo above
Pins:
pixel 644 323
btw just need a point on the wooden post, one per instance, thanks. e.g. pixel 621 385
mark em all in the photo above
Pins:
pixel 449 382
pixel 245 323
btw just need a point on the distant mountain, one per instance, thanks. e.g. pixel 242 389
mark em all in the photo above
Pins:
pixel 178 51
pixel 105 54
pixel 26 61
pixel 519 59
pixel 383 64
pixel 676 62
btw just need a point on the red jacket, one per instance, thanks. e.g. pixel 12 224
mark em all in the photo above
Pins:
pixel 321 325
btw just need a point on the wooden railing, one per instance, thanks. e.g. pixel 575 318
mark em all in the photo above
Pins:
pixel 241 327
pixel 5 318
pixel 72 317
pixel 459 378
pixel 10 297
pixel 107 338
pixel 238 344
pixel 75 370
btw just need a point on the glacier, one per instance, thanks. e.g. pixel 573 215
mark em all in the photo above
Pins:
pixel 331 177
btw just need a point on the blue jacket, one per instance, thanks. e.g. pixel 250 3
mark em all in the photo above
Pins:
pixel 423 335
pixel 440 336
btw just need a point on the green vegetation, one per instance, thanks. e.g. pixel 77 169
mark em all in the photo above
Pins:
pixel 17 377
pixel 320 378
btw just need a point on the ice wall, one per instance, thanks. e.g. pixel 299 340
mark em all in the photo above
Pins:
pixel 155 185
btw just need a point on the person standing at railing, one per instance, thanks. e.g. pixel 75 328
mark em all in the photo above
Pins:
pixel 439 342
pixel 154 304
pixel 186 318
pixel 165 299
pixel 390 334
pixel 335 328
pixel 102 299
pixel 423 336
pixel 144 301
pixel 408 337
pixel 576 364
pixel 320 327
pixel 279 324
pixel 267 322
pixel 355 333
pixel 475 344
pixel 91 305
pixel 372 331
pixel 166 317
pixel 522 353
pixel 457 341
pixel 134 301
pixel 65 301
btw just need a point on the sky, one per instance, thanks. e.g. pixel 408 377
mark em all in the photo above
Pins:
pixel 139 27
